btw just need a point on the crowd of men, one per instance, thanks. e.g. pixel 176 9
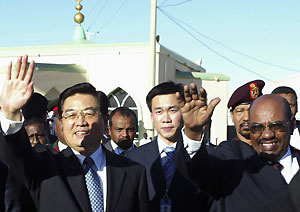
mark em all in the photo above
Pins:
pixel 92 163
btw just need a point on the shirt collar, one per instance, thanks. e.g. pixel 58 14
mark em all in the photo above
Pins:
pixel 287 159
pixel 119 149
pixel 162 145
pixel 98 156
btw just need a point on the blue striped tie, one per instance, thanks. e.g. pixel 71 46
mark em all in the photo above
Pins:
pixel 168 165
pixel 93 185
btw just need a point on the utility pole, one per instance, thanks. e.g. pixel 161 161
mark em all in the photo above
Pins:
pixel 152 68
pixel 152 64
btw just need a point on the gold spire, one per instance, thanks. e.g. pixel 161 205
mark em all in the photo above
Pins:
pixel 78 18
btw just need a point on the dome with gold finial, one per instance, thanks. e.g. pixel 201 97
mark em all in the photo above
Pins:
pixel 79 33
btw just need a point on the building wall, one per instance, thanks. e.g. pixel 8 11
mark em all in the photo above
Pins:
pixel 118 66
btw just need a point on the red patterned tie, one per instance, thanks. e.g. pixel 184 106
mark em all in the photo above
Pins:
pixel 277 166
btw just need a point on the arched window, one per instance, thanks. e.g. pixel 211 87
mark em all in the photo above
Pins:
pixel 120 98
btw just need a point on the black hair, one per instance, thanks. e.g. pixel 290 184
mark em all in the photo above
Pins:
pixel 80 88
pixel 284 90
pixel 163 89
pixel 35 107
pixel 124 111
pixel 34 120
pixel 103 102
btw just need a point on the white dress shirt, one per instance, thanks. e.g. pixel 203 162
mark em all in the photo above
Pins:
pixel 118 150
pixel 290 166
pixel 61 146
pixel 295 139
pixel 190 145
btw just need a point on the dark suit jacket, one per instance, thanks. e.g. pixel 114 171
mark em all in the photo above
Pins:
pixel 108 146
pixel 8 198
pixel 285 199
pixel 234 174
pixel 185 196
pixel 56 180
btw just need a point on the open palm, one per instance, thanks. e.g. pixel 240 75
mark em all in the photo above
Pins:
pixel 17 89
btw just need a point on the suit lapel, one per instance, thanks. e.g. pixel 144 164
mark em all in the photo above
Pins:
pixel 181 156
pixel 72 170
pixel 156 171
pixel 108 146
pixel 116 175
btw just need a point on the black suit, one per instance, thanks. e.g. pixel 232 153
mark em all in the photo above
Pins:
pixel 234 175
pixel 108 146
pixel 8 198
pixel 285 199
pixel 184 195
pixel 57 183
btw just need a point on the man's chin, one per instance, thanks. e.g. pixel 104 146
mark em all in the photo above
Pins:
pixel 268 156
pixel 245 134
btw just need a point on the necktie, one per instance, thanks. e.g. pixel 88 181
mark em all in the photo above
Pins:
pixel 168 164
pixel 93 185
pixel 277 166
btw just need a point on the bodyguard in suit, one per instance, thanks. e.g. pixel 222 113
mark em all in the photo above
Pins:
pixel 237 174
pixel 122 127
pixel 83 177
pixel 169 186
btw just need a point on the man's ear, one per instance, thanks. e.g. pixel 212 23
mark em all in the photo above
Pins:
pixel 293 124
pixel 231 114
pixel 109 129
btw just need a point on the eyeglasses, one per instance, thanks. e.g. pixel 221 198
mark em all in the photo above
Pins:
pixel 74 114
pixel 256 128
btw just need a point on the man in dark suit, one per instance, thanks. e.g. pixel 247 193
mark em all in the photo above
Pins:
pixel 169 187
pixel 122 127
pixel 237 174
pixel 285 199
pixel 9 201
pixel 83 177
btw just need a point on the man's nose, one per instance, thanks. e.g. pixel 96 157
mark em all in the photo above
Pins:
pixel 267 133
pixel 166 117
pixel 246 115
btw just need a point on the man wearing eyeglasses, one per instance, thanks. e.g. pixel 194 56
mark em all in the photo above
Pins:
pixel 238 175
pixel 83 177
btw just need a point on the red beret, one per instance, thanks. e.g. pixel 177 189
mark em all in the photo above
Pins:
pixel 246 93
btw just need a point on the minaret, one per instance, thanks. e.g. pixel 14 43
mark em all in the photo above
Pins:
pixel 79 33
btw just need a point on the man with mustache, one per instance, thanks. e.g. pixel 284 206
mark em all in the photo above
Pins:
pixel 239 104
pixel 122 129
pixel 238 175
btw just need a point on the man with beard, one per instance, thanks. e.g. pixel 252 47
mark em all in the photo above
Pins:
pixel 239 104
pixel 122 129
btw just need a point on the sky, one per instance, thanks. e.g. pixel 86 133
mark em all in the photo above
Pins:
pixel 219 32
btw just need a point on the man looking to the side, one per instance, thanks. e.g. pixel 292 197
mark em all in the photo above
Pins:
pixel 122 127
pixel 239 104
